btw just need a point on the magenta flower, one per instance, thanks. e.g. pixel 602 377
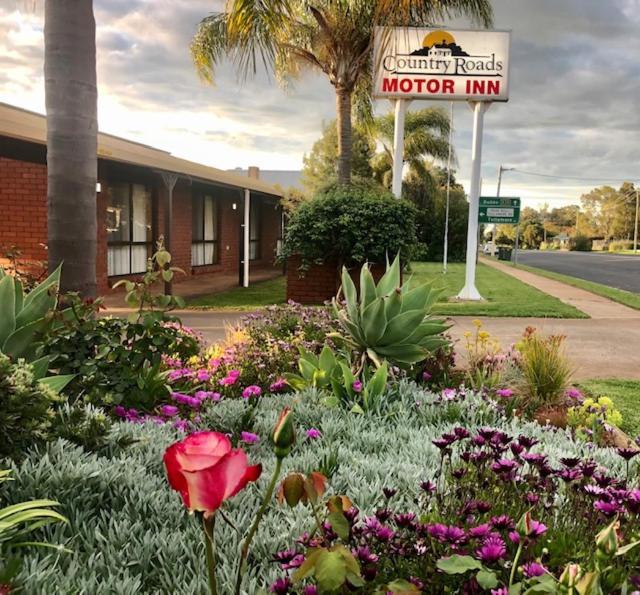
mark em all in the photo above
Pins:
pixel 120 411
pixel 278 386
pixel 492 550
pixel 481 531
pixel 169 410
pixel 214 363
pixel 449 394
pixel 573 393
pixel 203 376
pixel 504 392
pixel 357 386
pixel 249 438
pixel 313 433
pixel 533 569
pixel 607 508
pixel 426 376
pixel 251 391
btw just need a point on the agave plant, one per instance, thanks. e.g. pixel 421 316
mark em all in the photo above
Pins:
pixel 24 316
pixel 388 321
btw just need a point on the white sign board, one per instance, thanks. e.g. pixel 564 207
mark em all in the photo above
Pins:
pixel 441 64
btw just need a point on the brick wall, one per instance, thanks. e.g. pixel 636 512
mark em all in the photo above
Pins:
pixel 23 208
pixel 270 231
pixel 321 282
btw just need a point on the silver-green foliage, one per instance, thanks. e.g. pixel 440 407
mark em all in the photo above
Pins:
pixel 389 321
pixel 130 533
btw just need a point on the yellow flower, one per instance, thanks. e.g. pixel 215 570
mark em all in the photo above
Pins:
pixel 605 402
pixel 477 323
pixel 467 334
pixel 483 335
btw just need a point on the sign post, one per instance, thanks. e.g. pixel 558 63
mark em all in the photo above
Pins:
pixel 451 65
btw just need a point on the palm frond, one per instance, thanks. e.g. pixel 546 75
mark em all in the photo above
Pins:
pixel 416 13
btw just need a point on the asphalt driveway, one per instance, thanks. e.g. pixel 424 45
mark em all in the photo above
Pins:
pixel 614 270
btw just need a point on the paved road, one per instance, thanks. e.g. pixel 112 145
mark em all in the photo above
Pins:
pixel 614 270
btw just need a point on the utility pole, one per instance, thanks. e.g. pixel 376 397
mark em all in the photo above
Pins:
pixel 501 170
pixel 635 228
pixel 446 215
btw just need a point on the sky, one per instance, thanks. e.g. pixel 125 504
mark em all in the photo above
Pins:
pixel 575 83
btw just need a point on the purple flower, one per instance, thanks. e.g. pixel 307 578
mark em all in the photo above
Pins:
pixel 120 411
pixel 181 424
pixel 461 433
pixel 569 475
pixel 281 586
pixel 203 376
pixel 251 391
pixel 607 508
pixel 428 486
pixel 284 556
pixel 500 591
pixel 310 590
pixel 405 519
pixel 627 453
pixel 570 462
pixel 426 376
pixel 492 550
pixel 357 386
pixel 249 438
pixel 295 562
pixel 533 569
pixel 504 466
pixel 502 522
pixel 504 392
pixel 448 394
pixel 313 433
pixel 169 410
pixel 278 386
pixel 481 531
pixel 384 533
pixel 365 556
pixel 536 529
pixel 573 393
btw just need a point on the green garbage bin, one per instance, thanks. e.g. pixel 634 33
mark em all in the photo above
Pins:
pixel 504 253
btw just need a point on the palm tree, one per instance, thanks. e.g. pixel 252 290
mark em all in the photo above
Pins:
pixel 332 36
pixel 426 136
pixel 72 128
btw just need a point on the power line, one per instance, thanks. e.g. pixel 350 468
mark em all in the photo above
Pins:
pixel 541 175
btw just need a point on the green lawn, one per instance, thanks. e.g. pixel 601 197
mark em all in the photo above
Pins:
pixel 628 298
pixel 626 396
pixel 255 296
pixel 505 296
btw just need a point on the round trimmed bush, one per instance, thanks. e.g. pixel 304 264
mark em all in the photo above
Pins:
pixel 352 224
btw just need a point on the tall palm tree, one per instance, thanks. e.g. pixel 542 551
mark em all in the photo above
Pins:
pixel 426 135
pixel 72 129
pixel 332 36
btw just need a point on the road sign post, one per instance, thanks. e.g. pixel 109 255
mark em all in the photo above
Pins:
pixel 499 210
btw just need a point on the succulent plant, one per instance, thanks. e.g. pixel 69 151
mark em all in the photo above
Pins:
pixel 388 321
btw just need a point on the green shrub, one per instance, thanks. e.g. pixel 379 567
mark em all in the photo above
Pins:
pixel 26 407
pixel 129 532
pixel 620 245
pixel 580 243
pixel 117 362
pixel 352 224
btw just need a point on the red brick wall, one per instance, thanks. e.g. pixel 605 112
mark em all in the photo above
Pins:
pixel 321 282
pixel 270 231
pixel 23 208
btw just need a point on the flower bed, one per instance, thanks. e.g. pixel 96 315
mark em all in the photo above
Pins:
pixel 129 533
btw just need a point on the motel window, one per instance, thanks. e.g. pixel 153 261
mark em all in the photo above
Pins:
pixel 254 230
pixel 204 230
pixel 129 241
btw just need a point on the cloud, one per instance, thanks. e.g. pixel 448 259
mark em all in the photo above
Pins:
pixel 572 109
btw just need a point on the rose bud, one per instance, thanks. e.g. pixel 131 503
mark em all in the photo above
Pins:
pixel 284 434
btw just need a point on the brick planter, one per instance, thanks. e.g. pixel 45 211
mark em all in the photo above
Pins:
pixel 321 282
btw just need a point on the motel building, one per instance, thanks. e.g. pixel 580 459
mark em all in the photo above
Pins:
pixel 211 218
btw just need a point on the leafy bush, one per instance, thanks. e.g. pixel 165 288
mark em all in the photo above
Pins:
pixel 593 418
pixel 117 362
pixel 120 506
pixel 620 245
pixel 352 224
pixel 26 407
pixel 545 368
pixel 580 243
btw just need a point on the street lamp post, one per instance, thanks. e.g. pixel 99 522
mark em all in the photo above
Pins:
pixel 635 228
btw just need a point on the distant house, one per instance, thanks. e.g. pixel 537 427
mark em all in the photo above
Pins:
pixel 282 178
pixel 216 222
pixel 561 240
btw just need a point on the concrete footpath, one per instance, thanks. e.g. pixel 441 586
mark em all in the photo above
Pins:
pixel 605 346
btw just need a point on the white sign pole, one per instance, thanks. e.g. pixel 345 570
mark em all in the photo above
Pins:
pixel 398 146
pixel 446 216
pixel 469 291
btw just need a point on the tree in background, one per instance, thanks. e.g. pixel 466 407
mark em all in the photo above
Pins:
pixel 321 165
pixel 426 137
pixel 599 208
pixel 72 141
pixel 334 37
pixel 430 201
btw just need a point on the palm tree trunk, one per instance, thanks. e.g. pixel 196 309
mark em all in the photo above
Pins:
pixel 345 140
pixel 72 128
